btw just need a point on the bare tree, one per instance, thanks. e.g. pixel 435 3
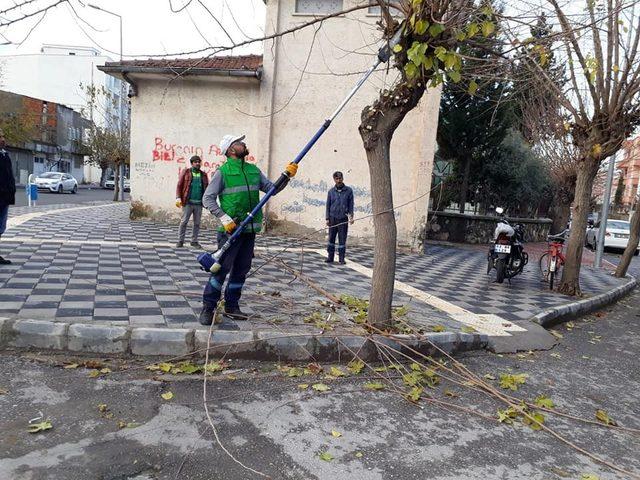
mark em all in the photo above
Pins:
pixel 632 245
pixel 599 104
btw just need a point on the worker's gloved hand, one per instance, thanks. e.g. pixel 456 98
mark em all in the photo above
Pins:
pixel 178 203
pixel 291 170
pixel 228 223
pixel 350 219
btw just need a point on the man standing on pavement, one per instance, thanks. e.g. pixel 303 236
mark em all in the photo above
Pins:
pixel 339 211
pixel 191 187
pixel 236 185
pixel 7 189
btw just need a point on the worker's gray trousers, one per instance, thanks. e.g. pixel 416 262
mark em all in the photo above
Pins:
pixel 187 211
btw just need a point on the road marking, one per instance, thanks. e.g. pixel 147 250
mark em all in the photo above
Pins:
pixel 490 324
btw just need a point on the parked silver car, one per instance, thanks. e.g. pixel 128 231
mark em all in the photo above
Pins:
pixel 57 182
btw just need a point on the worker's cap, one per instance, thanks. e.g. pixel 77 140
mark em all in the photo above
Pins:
pixel 228 140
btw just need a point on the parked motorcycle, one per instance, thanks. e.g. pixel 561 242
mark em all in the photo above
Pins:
pixel 507 253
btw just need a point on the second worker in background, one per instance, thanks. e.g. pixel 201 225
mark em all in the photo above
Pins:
pixel 339 215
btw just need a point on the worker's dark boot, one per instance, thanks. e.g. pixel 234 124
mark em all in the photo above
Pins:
pixel 235 313
pixel 196 245
pixel 341 261
pixel 179 244
pixel 329 258
pixel 4 261
pixel 206 316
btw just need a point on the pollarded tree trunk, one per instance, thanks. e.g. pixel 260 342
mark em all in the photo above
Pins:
pixel 116 179
pixel 587 170
pixel 562 200
pixel 378 124
pixel 634 239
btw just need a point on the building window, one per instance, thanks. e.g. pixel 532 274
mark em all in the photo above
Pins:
pixel 322 7
pixel 374 8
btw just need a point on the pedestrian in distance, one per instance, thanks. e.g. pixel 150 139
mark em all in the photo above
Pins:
pixel 233 192
pixel 339 215
pixel 191 187
pixel 7 189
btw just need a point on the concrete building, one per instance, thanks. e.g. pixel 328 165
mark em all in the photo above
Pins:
pixel 57 74
pixel 279 100
pixel 42 136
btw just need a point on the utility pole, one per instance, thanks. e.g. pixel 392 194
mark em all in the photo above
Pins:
pixel 605 212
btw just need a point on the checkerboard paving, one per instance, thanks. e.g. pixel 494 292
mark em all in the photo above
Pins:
pixel 95 265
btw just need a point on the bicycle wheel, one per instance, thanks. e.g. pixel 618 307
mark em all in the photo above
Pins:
pixel 544 266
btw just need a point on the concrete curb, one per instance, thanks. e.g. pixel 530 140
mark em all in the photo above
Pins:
pixel 556 315
pixel 253 345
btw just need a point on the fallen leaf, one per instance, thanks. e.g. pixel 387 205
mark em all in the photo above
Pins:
pixel 544 402
pixel 122 424
pixel 355 366
pixel 512 381
pixel 105 370
pixel 94 373
pixel 132 425
pixel 437 328
pixel 450 393
pixel 586 357
pixel 165 367
pixel 534 420
pixel 337 372
pixel 468 329
pixel 604 417
pixel 303 386
pixel 295 372
pixel 167 395
pixel 94 364
pixel 488 376
pixel 589 476
pixel 556 334
pixel 556 355
pixel 102 407
pixel 326 456
pixel 335 433
pixel 359 454
pixel 314 368
pixel 560 472
pixel 414 394
pixel 71 365
pixel 320 387
pixel 3 391
pixel 213 367
pixel 374 386
pixel 40 427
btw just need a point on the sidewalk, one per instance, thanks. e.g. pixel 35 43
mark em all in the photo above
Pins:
pixel 91 265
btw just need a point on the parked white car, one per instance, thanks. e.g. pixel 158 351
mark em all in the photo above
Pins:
pixel 616 235
pixel 57 182
pixel 110 183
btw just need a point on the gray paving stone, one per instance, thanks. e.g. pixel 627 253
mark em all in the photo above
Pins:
pixel 98 338
pixel 36 334
pixel 161 341
pixel 137 320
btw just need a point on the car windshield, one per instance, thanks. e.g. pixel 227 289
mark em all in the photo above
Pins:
pixel 618 225
pixel 50 175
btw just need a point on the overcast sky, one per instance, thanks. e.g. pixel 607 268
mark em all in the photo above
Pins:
pixel 149 26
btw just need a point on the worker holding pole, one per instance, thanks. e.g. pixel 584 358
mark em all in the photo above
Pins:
pixel 232 193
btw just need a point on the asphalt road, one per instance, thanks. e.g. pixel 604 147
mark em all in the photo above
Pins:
pixel 271 425
pixel 84 195
pixel 614 257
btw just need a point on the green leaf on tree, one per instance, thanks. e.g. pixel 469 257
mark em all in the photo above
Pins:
pixel 436 29
pixel 454 75
pixel 488 28
pixel 411 70
pixel 472 29
pixel 473 87
pixel 421 26
pixel 397 48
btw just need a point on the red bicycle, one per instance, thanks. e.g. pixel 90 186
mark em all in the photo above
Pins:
pixel 553 259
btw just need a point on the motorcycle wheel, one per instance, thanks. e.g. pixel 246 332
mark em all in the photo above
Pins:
pixel 500 270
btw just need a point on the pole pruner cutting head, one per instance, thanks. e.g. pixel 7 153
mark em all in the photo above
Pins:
pixel 385 51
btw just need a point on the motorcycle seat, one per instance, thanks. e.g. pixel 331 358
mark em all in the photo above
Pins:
pixel 560 238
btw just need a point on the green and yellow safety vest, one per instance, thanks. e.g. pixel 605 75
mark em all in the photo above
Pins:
pixel 241 192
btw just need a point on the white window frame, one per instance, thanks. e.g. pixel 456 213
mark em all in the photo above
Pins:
pixel 297 9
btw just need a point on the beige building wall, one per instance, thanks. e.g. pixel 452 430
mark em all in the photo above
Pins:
pixel 335 56
pixel 170 123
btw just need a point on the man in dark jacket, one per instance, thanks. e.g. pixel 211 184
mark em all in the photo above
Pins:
pixel 191 187
pixel 339 212
pixel 7 189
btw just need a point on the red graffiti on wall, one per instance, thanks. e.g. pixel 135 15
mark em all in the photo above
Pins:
pixel 167 152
